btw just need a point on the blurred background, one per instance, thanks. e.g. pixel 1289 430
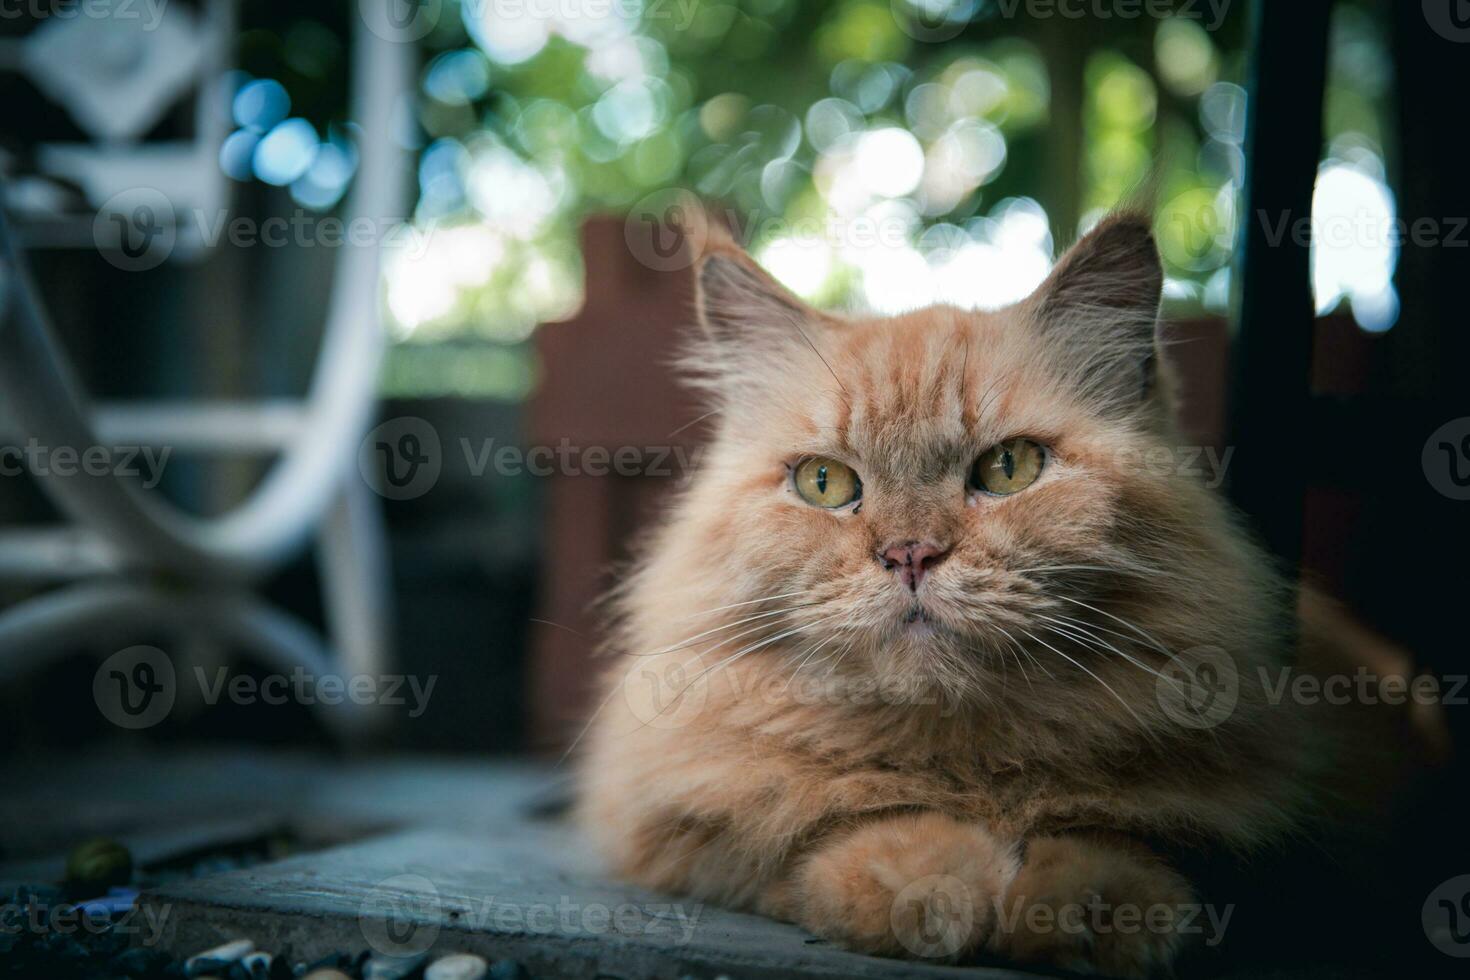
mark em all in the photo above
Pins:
pixel 868 153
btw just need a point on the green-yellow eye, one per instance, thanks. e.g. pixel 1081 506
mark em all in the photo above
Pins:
pixel 1008 467
pixel 825 482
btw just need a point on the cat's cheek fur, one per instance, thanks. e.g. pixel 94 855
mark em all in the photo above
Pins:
pixel 898 886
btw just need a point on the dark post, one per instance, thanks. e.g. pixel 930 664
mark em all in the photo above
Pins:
pixel 1272 355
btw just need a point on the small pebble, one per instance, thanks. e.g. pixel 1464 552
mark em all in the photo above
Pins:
pixel 99 864
pixel 326 975
pixel 460 966
pixel 392 967
pixel 218 959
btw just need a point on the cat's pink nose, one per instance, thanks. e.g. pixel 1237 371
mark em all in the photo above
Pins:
pixel 912 560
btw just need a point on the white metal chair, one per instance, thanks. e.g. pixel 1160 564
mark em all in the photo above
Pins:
pixel 129 559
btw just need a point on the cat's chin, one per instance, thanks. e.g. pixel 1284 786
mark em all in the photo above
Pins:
pixel 918 619
pixel 919 623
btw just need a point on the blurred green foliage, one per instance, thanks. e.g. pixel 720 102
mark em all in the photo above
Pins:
pixel 932 116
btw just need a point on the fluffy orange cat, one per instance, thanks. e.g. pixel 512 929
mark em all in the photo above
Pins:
pixel 910 662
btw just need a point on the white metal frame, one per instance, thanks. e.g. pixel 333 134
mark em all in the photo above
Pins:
pixel 141 545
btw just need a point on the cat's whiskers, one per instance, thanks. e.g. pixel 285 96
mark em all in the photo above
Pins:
pixel 1100 629
pixel 612 690
pixel 1152 640
pixel 725 640
pixel 1126 706
pixel 1022 647
pixel 737 605
pixel 1134 569
pixel 1022 666
pixel 686 643
pixel 737 655
pixel 1097 645
pixel 1092 629
pixel 810 653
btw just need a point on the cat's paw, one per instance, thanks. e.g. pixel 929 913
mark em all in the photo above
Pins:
pixel 1094 906
pixel 923 885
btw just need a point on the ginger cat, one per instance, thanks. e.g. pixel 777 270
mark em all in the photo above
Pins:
pixel 911 661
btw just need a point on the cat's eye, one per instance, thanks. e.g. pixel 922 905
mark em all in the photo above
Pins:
pixel 1008 467
pixel 825 482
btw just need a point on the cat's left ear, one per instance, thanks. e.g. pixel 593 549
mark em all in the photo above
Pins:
pixel 753 327
pixel 740 305
pixel 1099 310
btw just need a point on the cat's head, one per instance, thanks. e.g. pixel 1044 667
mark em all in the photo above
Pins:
pixel 945 494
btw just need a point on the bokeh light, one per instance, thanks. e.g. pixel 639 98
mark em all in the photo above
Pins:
pixel 881 154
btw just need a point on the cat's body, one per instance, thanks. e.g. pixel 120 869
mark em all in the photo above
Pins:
pixel 904 763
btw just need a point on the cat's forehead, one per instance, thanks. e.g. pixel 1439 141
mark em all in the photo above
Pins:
pixel 921 386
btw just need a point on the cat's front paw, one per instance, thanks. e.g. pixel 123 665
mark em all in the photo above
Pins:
pixel 919 886
pixel 1094 906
